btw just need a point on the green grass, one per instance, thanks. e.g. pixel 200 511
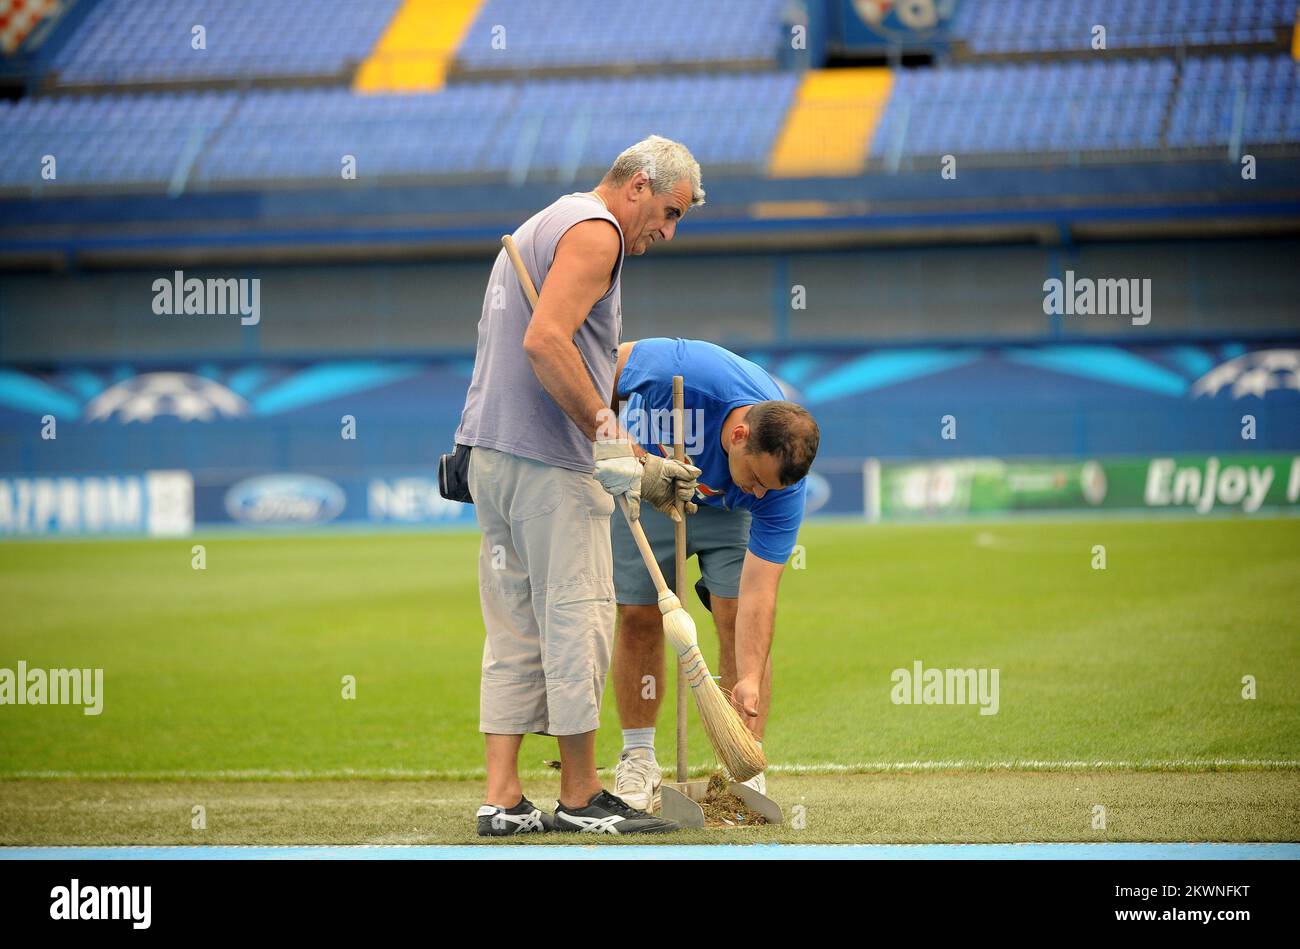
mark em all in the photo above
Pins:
pixel 863 808
pixel 238 668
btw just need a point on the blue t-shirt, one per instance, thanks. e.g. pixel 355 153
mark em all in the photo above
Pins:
pixel 715 382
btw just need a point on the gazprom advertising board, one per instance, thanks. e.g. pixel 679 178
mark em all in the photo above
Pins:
pixel 155 503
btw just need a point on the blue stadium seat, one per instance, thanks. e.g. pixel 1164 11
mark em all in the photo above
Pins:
pixel 150 40
pixel 1088 106
pixel 1035 107
pixel 1266 90
pixel 243 138
pixel 544 35
pixel 1027 26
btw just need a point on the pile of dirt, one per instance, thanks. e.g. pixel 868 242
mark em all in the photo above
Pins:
pixel 722 808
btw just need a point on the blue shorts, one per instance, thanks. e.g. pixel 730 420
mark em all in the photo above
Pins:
pixel 716 536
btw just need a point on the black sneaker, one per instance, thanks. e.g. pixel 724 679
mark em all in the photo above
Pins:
pixel 607 814
pixel 524 818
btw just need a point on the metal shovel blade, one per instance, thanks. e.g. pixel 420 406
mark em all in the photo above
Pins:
pixel 758 803
pixel 678 802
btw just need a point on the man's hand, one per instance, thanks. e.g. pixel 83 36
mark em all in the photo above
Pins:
pixel 619 472
pixel 666 482
pixel 744 697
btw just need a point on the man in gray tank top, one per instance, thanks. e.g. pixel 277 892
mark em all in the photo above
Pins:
pixel 548 458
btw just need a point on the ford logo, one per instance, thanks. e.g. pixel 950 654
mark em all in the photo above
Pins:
pixel 285 499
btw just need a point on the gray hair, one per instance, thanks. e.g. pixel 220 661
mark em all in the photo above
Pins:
pixel 665 163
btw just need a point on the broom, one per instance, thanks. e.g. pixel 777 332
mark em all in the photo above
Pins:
pixel 734 743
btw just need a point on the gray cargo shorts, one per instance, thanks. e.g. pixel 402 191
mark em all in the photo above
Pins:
pixel 547 594
pixel 716 536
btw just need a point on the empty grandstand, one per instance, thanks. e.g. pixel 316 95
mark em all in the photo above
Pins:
pixel 618 34
pixel 124 42
pixel 919 175
pixel 183 97
pixel 1057 27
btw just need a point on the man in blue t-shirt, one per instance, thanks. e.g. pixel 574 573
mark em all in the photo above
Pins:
pixel 753 450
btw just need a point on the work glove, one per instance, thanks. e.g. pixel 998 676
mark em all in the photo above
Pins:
pixel 666 482
pixel 619 472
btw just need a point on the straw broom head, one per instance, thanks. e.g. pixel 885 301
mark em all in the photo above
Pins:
pixel 734 743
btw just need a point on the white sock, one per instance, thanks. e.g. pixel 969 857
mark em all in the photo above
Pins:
pixel 639 738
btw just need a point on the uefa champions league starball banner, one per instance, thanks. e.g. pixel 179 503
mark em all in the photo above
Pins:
pixel 1202 427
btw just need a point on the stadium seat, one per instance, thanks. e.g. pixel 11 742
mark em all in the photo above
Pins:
pixel 1028 26
pixel 130 41
pixel 511 36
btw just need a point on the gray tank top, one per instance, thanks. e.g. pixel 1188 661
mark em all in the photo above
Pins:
pixel 506 407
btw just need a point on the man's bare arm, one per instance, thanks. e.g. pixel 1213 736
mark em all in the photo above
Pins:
pixel 755 621
pixel 756 614
pixel 579 276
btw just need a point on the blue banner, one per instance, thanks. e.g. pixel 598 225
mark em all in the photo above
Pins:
pixel 290 500
pixel 348 420
pixel 155 503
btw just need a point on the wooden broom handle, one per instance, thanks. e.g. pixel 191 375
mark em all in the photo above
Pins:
pixel 643 544
pixel 679 538
pixel 513 253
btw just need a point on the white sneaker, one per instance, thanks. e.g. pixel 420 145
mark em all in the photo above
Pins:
pixel 637 779
pixel 758 782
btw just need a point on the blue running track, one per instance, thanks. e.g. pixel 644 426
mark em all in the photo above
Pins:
pixel 1081 851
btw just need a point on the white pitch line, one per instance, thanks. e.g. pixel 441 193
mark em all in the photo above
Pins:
pixel 813 768
pixel 257 774
pixel 1034 764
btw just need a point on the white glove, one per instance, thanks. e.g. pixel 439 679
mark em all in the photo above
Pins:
pixel 620 472
pixel 666 482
